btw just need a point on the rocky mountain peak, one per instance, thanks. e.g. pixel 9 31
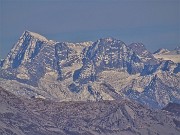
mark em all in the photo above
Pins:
pixel 27 47
pixel 110 40
pixel 143 53
pixel 33 35
pixel 139 49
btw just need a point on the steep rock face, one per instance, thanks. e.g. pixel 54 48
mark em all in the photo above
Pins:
pixel 111 53
pixel 32 47
pixel 143 53
pixel 159 90
pixel 24 50
pixel 168 65
pixel 21 116
pixel 65 57
pixel 29 59
pixel 108 54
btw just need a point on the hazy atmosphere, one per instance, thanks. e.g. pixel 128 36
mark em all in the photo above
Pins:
pixel 103 67
pixel 156 23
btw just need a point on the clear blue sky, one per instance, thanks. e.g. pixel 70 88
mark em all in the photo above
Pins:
pixel 156 23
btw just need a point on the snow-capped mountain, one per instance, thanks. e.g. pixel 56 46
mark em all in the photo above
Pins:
pixel 27 47
pixel 107 69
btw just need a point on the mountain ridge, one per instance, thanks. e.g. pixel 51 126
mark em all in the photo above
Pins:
pixel 82 71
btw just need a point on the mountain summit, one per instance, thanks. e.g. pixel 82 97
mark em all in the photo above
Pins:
pixel 27 47
pixel 34 35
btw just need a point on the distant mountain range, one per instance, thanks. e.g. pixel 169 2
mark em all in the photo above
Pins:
pixel 107 69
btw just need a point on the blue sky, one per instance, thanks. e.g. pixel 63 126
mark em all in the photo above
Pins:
pixel 156 23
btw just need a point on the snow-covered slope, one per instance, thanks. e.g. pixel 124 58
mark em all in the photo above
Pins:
pixel 174 58
pixel 164 54
pixel 107 69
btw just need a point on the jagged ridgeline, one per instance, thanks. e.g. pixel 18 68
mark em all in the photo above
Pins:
pixel 107 69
